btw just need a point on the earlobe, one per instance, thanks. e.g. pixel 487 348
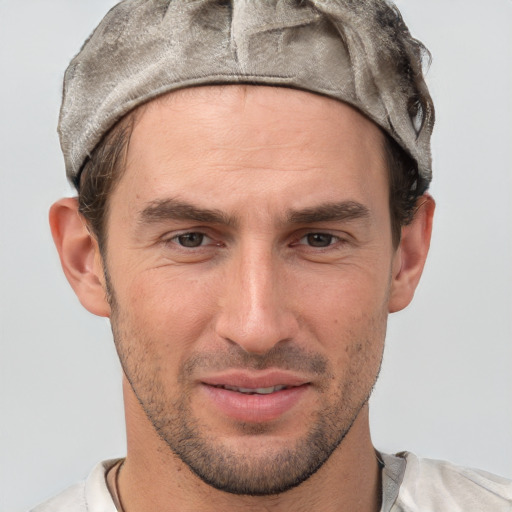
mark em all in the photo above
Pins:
pixel 79 256
pixel 411 254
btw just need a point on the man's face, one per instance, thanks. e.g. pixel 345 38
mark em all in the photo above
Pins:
pixel 249 258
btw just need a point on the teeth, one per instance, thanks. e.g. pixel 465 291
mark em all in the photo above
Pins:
pixel 256 391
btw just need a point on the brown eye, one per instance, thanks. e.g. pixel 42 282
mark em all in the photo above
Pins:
pixel 190 239
pixel 319 239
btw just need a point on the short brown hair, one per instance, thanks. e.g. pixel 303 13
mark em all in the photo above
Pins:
pixel 101 172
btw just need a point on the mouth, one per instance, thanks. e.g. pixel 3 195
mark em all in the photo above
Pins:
pixel 255 391
pixel 254 398
pixel 261 382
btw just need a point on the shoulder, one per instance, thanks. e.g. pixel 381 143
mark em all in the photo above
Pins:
pixel 91 495
pixel 72 500
pixel 439 485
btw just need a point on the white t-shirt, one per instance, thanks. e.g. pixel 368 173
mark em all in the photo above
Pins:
pixel 409 484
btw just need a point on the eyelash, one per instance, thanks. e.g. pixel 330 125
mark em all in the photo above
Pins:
pixel 175 239
pixel 333 240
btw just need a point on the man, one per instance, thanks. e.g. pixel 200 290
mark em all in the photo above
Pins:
pixel 251 205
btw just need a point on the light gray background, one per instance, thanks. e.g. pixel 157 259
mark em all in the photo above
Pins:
pixel 445 390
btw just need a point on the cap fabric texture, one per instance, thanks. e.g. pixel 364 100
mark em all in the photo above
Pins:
pixel 357 51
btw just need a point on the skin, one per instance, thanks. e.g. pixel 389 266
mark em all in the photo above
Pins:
pixel 295 274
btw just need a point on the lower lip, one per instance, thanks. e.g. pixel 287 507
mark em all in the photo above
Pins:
pixel 254 408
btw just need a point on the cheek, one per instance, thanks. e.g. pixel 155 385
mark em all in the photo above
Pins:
pixel 164 313
pixel 347 313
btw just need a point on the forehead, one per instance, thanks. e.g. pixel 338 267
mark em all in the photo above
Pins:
pixel 236 108
pixel 219 140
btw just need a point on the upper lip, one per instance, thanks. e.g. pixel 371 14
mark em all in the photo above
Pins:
pixel 255 379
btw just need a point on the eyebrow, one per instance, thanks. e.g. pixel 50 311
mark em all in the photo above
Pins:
pixel 162 210
pixel 329 212
pixel 174 209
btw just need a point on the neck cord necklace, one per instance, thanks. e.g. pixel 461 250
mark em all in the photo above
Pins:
pixel 116 487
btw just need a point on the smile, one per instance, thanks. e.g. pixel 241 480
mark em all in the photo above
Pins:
pixel 255 391
pixel 253 403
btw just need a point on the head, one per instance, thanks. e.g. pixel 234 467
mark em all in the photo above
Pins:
pixel 247 243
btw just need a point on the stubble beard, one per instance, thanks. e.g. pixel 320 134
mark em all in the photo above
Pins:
pixel 269 471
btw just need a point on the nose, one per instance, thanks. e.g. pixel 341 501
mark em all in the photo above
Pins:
pixel 255 309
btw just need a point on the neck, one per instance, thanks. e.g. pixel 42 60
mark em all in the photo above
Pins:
pixel 153 478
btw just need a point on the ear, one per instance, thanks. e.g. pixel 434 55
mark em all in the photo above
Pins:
pixel 411 254
pixel 79 256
